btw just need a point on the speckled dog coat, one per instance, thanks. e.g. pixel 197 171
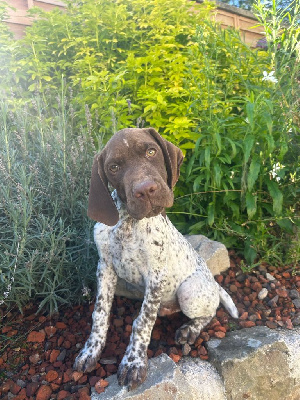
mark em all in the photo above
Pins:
pixel 138 243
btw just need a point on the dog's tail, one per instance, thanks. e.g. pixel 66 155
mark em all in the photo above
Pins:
pixel 227 302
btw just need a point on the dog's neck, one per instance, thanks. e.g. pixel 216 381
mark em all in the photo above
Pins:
pixel 123 213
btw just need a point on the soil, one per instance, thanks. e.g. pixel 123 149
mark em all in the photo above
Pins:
pixel 38 351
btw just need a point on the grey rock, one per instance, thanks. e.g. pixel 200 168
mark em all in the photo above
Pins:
pixel 166 380
pixel 21 383
pixel 214 253
pixel 294 294
pixel 62 355
pixel 296 303
pixel 186 348
pixel 296 320
pixel 270 277
pixel 256 363
pixel 273 301
pixel 106 361
pixel 263 294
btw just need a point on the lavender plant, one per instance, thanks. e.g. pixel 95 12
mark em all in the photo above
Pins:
pixel 46 251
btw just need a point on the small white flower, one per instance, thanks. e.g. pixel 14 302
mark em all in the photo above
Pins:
pixel 273 172
pixel 231 174
pixel 269 77
pixel 247 120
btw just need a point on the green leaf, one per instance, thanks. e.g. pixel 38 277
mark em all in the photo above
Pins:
pixel 251 204
pixel 276 195
pixel 211 214
pixel 271 143
pixel 286 224
pixel 248 144
pixel 218 174
pixel 233 146
pixel 250 253
pixel 250 113
pixel 207 156
pixel 218 140
pixel 253 172
pixel 190 165
pixel 188 145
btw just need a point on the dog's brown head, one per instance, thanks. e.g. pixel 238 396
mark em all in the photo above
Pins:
pixel 143 168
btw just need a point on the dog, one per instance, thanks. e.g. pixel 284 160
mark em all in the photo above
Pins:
pixel 137 242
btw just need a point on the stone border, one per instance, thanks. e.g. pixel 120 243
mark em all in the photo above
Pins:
pixel 256 363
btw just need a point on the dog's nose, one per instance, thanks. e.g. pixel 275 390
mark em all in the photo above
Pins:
pixel 145 190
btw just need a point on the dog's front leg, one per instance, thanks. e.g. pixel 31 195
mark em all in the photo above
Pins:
pixel 133 368
pixel 106 284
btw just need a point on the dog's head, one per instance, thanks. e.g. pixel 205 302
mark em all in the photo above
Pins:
pixel 142 166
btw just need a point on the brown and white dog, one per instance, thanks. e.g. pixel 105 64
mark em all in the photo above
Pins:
pixel 137 242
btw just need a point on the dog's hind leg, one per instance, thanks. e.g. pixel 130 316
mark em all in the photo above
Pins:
pixel 198 297
pixel 189 332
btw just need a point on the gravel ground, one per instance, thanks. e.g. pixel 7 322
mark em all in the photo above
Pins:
pixel 38 351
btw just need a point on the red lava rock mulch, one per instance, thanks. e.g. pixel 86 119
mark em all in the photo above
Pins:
pixel 38 351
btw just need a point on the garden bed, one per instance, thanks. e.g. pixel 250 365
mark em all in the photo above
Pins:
pixel 38 350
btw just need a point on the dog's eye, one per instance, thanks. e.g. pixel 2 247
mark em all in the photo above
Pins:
pixel 114 168
pixel 151 152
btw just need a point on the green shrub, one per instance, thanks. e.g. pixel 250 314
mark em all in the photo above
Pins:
pixel 233 111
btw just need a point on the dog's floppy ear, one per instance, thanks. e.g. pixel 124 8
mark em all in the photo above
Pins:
pixel 172 154
pixel 101 207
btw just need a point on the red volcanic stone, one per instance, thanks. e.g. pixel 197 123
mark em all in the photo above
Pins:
pixel 247 324
pixel 53 355
pixel 156 334
pixel 50 330
pixel 36 337
pixel 51 376
pixel 220 335
pixel 62 394
pixel 244 316
pixel 60 325
pixel 175 357
pixel 44 393
pixel 21 395
pixel 77 375
pixel 282 292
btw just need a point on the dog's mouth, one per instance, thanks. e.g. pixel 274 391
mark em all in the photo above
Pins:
pixel 156 210
pixel 140 214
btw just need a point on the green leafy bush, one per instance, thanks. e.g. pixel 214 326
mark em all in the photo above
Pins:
pixel 232 110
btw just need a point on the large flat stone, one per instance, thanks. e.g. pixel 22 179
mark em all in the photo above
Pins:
pixel 166 380
pixel 255 364
pixel 258 363
pixel 214 253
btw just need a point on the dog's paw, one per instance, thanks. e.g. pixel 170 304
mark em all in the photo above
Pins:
pixel 86 361
pixel 132 373
pixel 187 333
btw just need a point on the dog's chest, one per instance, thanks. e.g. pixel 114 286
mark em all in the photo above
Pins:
pixel 145 249
pixel 138 248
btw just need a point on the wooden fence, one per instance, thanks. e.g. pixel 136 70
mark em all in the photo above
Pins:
pixel 18 18
pixel 227 16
